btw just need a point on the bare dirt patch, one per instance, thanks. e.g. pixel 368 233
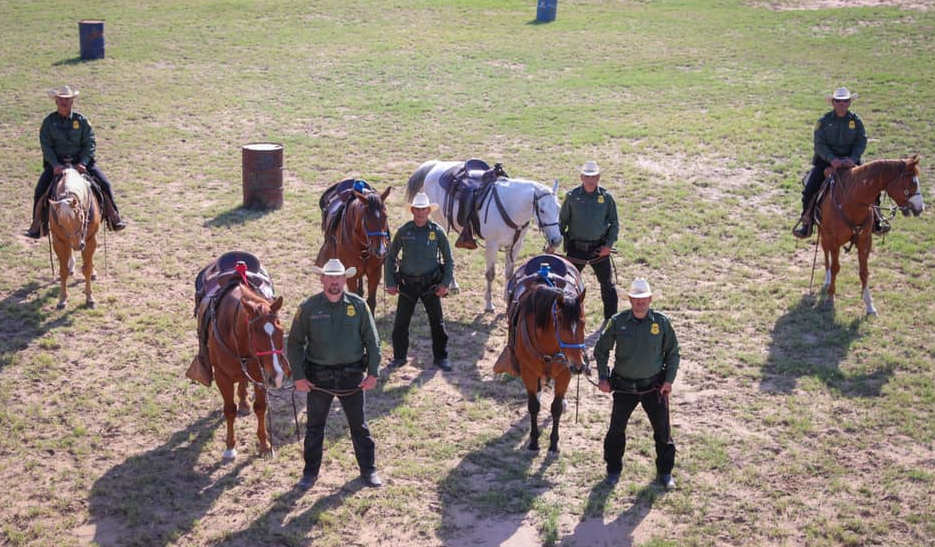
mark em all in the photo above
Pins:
pixel 787 5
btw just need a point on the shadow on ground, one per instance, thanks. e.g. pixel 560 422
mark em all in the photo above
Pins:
pixel 22 319
pixel 236 216
pixel 487 497
pixel 158 496
pixel 592 530
pixel 808 341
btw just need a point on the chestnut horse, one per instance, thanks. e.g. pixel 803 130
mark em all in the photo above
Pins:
pixel 847 212
pixel 74 218
pixel 361 239
pixel 245 345
pixel 547 334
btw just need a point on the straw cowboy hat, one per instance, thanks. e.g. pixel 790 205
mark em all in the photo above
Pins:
pixel 65 92
pixel 639 288
pixel 334 268
pixel 590 168
pixel 841 94
pixel 421 201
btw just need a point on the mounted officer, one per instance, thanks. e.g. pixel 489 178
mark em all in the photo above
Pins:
pixel 66 137
pixel 588 222
pixel 840 140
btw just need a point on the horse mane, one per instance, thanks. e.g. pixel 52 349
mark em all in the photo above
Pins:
pixel 543 297
pixel 876 168
pixel 73 182
pixel 417 180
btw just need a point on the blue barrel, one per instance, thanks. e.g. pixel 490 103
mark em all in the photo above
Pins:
pixel 545 10
pixel 91 37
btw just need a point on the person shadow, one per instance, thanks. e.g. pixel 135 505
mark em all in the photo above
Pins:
pixel 592 530
pixel 22 319
pixel 499 478
pixel 158 496
pixel 808 341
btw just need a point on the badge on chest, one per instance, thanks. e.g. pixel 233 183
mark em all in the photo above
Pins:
pixel 351 312
pixel 654 329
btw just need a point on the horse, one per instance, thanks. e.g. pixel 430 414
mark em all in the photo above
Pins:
pixel 359 238
pixel 74 219
pixel 515 202
pixel 245 345
pixel 546 335
pixel 847 213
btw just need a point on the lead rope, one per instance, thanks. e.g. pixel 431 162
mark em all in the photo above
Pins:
pixel 48 235
pixel 814 262
pixel 577 397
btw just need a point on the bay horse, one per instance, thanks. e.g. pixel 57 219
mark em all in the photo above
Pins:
pixel 360 238
pixel 546 324
pixel 514 202
pixel 74 219
pixel 245 345
pixel 847 213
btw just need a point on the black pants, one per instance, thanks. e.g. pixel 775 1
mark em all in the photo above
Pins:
pixel 815 177
pixel 603 272
pixel 45 180
pixel 615 442
pixel 409 295
pixel 318 406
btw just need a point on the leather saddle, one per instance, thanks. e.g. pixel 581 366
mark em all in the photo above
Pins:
pixel 468 184
pixel 223 270
pixel 333 202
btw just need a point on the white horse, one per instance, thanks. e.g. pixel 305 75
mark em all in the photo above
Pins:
pixel 521 200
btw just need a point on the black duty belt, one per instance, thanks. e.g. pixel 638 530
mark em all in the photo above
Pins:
pixel 426 279
pixel 635 385
pixel 584 244
pixel 341 369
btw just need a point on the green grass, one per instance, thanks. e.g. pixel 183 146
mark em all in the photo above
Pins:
pixel 794 424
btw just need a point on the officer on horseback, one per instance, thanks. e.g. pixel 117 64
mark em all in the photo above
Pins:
pixel 588 222
pixel 840 141
pixel 67 137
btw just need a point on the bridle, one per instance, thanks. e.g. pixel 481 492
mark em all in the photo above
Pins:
pixel 368 243
pixel 558 356
pixel 535 208
pixel 84 215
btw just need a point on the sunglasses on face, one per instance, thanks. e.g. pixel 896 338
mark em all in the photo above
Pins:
pixel 841 101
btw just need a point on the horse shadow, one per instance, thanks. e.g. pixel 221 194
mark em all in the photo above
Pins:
pixel 487 496
pixel 808 341
pixel 158 496
pixel 22 319
pixel 236 216
pixel 591 529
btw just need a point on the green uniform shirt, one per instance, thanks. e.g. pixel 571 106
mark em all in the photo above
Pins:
pixel 421 248
pixel 644 347
pixel 840 137
pixel 589 216
pixel 329 334
pixel 71 136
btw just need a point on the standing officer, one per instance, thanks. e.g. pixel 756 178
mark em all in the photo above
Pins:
pixel 840 140
pixel 419 275
pixel 588 221
pixel 333 340
pixel 645 363
pixel 67 137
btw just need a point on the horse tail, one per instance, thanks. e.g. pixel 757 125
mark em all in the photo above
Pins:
pixel 417 180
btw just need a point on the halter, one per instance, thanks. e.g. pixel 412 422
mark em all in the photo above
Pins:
pixel 558 356
pixel 370 235
pixel 535 207
pixel 85 215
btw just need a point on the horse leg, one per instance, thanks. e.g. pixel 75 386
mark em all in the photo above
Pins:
pixel 87 268
pixel 243 409
pixel 490 254
pixel 259 408
pixel 558 406
pixel 863 257
pixel 226 386
pixel 373 283
pixel 66 263
pixel 835 268
pixel 533 404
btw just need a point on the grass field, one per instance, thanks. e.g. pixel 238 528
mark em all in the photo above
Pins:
pixel 794 424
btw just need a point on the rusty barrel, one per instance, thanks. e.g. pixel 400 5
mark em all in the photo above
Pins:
pixel 262 175
pixel 91 38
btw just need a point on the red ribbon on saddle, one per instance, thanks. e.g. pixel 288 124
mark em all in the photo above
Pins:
pixel 241 268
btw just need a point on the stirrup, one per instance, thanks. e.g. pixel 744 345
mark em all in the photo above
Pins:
pixel 802 230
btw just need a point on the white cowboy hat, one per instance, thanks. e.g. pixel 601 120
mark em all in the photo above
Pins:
pixel 842 94
pixel 334 268
pixel 640 288
pixel 421 201
pixel 65 92
pixel 590 168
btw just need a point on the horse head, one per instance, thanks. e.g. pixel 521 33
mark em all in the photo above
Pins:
pixel 906 190
pixel 71 220
pixel 547 210
pixel 559 317
pixel 265 338
pixel 373 228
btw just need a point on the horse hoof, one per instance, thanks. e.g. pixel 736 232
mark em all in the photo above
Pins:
pixel 489 309
pixel 93 276
pixel 533 447
pixel 91 304
pixel 229 454
pixel 554 450
pixel 60 305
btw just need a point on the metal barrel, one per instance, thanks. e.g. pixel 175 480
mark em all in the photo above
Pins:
pixel 262 175
pixel 91 38
pixel 545 10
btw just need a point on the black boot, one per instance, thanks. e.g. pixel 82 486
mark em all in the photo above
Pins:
pixel 113 217
pixel 803 229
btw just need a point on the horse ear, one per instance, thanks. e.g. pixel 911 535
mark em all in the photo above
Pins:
pixel 385 193
pixel 360 196
pixel 276 305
